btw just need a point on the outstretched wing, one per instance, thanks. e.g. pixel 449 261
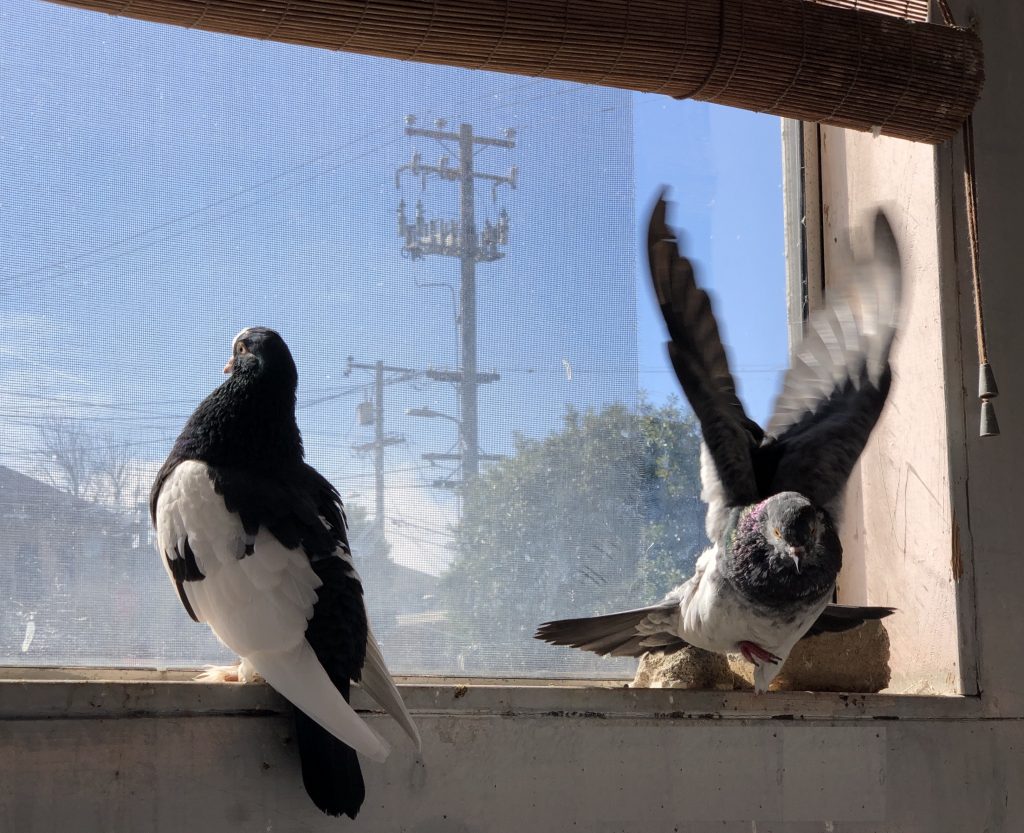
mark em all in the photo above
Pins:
pixel 701 364
pixel 837 386
pixel 631 633
pixel 839 618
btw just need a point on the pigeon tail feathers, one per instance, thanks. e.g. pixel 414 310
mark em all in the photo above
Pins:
pixel 298 676
pixel 330 769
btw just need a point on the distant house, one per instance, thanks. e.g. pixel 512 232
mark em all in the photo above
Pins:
pixel 70 574
pixel 405 610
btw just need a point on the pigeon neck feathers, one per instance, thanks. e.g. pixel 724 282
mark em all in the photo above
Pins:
pixel 247 422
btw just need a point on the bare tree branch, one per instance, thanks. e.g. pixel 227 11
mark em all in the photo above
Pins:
pixel 66 452
pixel 112 464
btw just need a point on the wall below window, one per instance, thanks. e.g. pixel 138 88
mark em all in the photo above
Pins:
pixel 537 759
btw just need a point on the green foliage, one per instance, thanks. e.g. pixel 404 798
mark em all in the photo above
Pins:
pixel 601 515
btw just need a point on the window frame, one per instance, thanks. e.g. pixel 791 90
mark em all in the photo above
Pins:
pixel 34 693
pixel 104 692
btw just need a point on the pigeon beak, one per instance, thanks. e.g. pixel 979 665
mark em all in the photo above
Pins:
pixel 796 553
pixel 230 365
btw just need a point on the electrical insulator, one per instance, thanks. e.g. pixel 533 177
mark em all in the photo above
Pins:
pixel 503 227
pixel 402 221
pixel 420 221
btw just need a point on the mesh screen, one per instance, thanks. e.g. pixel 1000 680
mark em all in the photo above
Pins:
pixel 164 188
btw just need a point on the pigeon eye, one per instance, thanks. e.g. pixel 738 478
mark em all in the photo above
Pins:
pixel 778 534
pixel 240 348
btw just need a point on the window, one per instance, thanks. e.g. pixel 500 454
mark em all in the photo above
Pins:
pixel 164 188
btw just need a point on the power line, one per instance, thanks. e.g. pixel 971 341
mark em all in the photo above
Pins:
pixel 247 190
pixel 62 263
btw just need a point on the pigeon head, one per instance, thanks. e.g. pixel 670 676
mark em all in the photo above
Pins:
pixel 260 353
pixel 793 526
pixel 249 420
pixel 784 548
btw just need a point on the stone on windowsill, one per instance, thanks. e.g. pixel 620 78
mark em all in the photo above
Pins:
pixel 854 661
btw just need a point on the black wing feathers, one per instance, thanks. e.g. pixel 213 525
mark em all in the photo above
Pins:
pixel 298 507
pixel 183 567
pixel 701 364
pixel 839 618
pixel 615 634
pixel 836 388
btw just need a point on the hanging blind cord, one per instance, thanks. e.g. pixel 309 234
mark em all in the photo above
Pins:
pixel 987 389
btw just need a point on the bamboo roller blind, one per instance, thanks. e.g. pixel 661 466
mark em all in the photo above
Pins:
pixel 805 60
pixel 910 9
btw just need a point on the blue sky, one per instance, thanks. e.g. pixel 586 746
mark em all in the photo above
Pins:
pixel 162 189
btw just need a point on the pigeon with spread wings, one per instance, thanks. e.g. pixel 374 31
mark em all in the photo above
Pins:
pixel 774 496
pixel 255 542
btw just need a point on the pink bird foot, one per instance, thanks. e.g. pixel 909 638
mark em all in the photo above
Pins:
pixel 756 655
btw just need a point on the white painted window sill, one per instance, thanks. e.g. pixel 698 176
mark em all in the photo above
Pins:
pixel 76 693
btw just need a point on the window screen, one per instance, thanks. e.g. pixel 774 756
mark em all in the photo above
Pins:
pixel 161 189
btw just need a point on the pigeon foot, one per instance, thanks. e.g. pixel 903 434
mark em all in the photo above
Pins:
pixel 243 672
pixel 756 655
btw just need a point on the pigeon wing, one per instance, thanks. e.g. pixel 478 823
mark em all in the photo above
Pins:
pixel 837 385
pixel 630 633
pixel 701 364
pixel 839 618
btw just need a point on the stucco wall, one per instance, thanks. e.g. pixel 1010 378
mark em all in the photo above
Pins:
pixel 897 531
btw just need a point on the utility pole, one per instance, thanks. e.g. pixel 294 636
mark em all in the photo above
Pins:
pixel 381 440
pixel 459 238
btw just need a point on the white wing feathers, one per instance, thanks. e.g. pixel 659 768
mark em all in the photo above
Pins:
pixel 258 606
pixel 712 493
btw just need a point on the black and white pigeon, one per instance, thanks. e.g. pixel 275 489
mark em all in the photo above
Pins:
pixel 255 542
pixel 774 496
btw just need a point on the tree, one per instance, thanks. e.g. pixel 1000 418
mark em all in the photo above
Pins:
pixel 66 450
pixel 90 466
pixel 601 515
pixel 113 466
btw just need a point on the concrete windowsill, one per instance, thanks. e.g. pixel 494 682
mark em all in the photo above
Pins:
pixel 58 693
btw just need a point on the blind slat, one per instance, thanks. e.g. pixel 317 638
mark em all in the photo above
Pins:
pixel 818 61
pixel 909 9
